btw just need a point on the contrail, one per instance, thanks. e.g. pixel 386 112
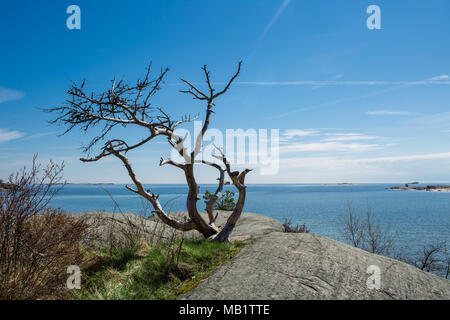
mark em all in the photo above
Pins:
pixel 397 85
pixel 274 19
pixel 341 83
pixel 266 29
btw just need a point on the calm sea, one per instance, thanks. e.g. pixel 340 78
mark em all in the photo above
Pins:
pixel 417 217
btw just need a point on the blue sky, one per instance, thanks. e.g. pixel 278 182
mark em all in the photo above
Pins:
pixel 351 104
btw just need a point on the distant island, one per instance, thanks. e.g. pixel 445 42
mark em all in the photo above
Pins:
pixel 340 184
pixel 436 188
pixel 6 186
pixel 89 183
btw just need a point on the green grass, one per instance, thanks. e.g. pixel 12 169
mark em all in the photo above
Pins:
pixel 150 274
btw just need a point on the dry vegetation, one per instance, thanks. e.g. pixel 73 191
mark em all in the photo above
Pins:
pixel 37 243
pixel 290 227
pixel 362 231
pixel 121 255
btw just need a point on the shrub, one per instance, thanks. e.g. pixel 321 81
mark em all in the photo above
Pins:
pixel 291 228
pixel 225 202
pixel 37 243
pixel 362 232
pixel 433 258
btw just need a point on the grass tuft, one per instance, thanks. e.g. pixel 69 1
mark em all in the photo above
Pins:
pixel 155 273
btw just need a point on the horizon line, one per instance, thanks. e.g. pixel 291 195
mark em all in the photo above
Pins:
pixel 274 183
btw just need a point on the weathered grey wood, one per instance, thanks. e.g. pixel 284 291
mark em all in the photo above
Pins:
pixel 125 105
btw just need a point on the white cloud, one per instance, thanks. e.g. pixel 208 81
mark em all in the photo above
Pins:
pixel 319 162
pixel 396 85
pixel 387 113
pixel 439 78
pixel 292 133
pixel 349 137
pixel 433 119
pixel 39 135
pixel 9 94
pixel 422 167
pixel 6 135
pixel 328 146
pixel 431 156
pixel 323 142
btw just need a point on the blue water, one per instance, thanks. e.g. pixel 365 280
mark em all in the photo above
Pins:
pixel 417 217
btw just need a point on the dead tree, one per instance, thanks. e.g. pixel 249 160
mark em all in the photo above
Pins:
pixel 434 258
pixel 130 105
pixel 365 233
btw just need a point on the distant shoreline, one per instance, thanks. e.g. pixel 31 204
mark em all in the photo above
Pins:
pixel 430 188
pixel 263 184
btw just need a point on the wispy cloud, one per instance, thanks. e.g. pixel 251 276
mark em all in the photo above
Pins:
pixel 274 19
pixel 327 161
pixel 314 140
pixel 349 137
pixel 440 78
pixel 292 133
pixel 39 135
pixel 436 118
pixel 397 85
pixel 7 135
pixel 430 156
pixel 336 77
pixel 9 94
pixel 388 113
pixel 342 83
pixel 329 146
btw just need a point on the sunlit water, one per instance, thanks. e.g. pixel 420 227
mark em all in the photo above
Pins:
pixel 417 217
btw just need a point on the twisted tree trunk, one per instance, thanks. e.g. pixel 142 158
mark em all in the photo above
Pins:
pixel 124 105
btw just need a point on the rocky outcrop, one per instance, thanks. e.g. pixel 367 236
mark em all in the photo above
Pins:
pixel 307 266
pixel 427 188
pixel 279 265
pixel 249 226
pixel 122 225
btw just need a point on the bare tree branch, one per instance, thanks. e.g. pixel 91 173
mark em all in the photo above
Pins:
pixel 171 162
pixel 209 98
pixel 238 179
pixel 121 104
pixel 210 204
pixel 124 105
pixel 153 198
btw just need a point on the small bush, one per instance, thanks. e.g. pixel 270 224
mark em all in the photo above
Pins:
pixel 37 243
pixel 291 228
pixel 225 202
pixel 361 231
